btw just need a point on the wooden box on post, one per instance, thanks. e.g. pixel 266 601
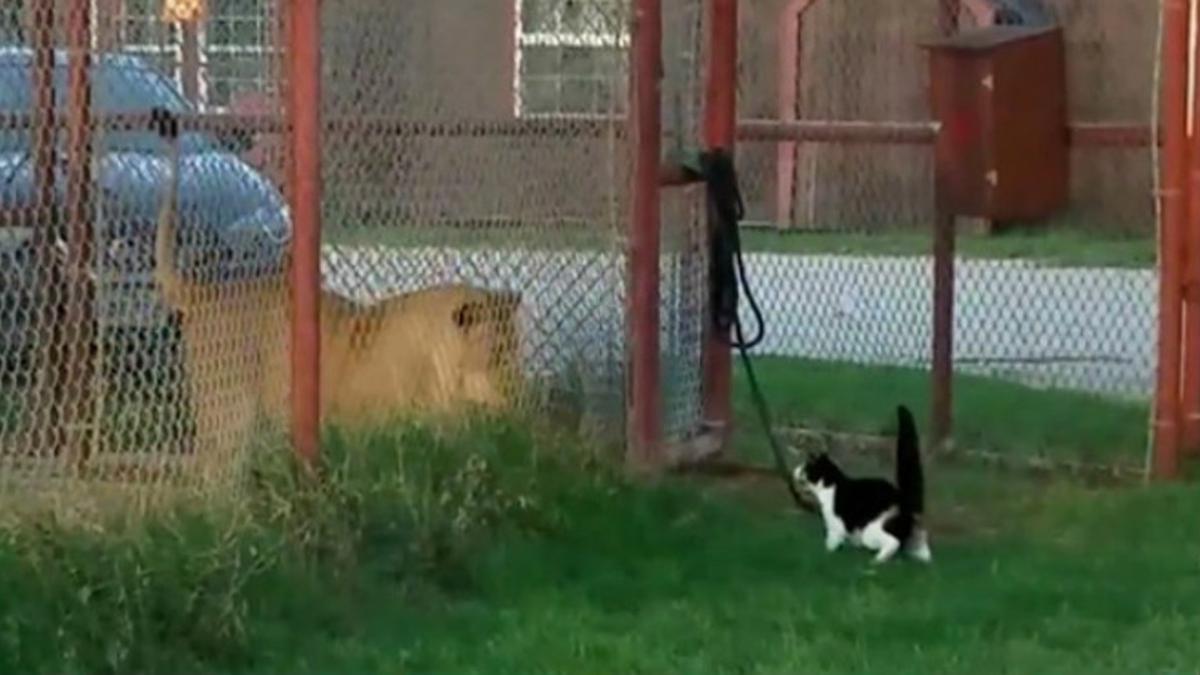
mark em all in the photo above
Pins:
pixel 1000 95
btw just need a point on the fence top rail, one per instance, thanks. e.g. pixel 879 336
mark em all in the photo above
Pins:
pixel 1083 134
pixel 579 125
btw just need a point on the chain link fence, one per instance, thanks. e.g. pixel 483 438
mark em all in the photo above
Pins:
pixel 106 374
pixel 842 231
pixel 476 200
pixel 472 155
pixel 476 206
pixel 484 145
pixel 684 244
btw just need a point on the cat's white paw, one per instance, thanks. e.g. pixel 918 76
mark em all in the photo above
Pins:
pixel 887 550
pixel 833 542
pixel 918 546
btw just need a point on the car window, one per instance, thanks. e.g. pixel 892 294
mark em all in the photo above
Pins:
pixel 14 97
pixel 131 87
pixel 116 87
pixel 14 88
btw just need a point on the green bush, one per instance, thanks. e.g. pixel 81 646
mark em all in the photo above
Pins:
pixel 193 588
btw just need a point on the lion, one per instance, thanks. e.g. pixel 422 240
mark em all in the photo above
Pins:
pixel 436 350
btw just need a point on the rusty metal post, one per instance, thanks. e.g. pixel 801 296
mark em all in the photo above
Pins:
pixel 44 218
pixel 942 361
pixel 304 111
pixel 1190 388
pixel 645 404
pixel 1173 197
pixel 791 22
pixel 720 131
pixel 942 371
pixel 76 380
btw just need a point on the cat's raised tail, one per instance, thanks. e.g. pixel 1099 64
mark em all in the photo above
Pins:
pixel 910 480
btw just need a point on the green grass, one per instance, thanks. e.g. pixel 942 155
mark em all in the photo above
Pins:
pixel 202 588
pixel 497 549
pixel 1061 247
pixel 989 414
pixel 693 579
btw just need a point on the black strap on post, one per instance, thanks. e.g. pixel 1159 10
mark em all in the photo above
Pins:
pixel 727 276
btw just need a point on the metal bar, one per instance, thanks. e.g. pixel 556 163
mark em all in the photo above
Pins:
pixel 645 420
pixel 1109 135
pixel 304 110
pixel 720 131
pixel 76 378
pixel 1165 457
pixel 791 23
pixel 1190 374
pixel 942 372
pixel 1080 134
pixel 44 219
pixel 512 57
pixel 846 132
pixel 942 375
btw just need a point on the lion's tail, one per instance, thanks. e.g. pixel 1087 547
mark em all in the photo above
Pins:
pixel 172 287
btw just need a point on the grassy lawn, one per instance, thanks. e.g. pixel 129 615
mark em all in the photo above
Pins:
pixel 1064 248
pixel 504 548
pixel 565 237
pixel 989 414
pixel 702 579
pixel 1067 248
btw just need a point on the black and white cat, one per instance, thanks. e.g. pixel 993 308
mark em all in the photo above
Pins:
pixel 872 512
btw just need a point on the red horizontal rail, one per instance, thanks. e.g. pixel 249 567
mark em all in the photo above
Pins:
pixel 581 126
pixel 1110 135
pixel 821 131
pixel 1082 134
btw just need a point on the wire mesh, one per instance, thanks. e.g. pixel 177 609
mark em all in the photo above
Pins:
pixel 105 374
pixel 475 206
pixel 479 146
pixel 684 272
pixel 841 232
pixel 476 199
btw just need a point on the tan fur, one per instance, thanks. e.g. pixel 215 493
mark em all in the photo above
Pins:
pixel 433 350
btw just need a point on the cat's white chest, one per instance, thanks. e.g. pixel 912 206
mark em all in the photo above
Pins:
pixel 825 497
pixel 835 527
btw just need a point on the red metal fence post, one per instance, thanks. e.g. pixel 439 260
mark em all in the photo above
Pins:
pixel 49 325
pixel 304 111
pixel 942 344
pixel 76 366
pixel 1190 388
pixel 720 131
pixel 1176 15
pixel 645 419
pixel 791 28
